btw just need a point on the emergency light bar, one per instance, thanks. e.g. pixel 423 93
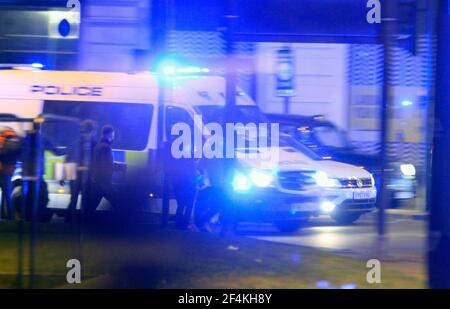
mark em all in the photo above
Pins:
pixel 170 70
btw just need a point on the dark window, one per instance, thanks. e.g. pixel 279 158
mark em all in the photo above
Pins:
pixel 176 115
pixel 130 121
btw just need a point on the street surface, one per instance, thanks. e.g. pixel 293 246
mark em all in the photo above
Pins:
pixel 404 242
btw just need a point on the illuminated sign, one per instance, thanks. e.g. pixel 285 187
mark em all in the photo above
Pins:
pixel 285 72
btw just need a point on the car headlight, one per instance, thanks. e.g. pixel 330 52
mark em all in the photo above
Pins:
pixel 241 182
pixel 408 170
pixel 323 180
pixel 261 178
pixel 327 206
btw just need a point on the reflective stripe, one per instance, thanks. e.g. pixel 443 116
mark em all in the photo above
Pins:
pixel 136 158
pixel 50 160
pixel 129 157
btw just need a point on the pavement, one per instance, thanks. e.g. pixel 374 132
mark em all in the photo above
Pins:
pixel 147 256
pixel 258 256
pixel 402 214
pixel 404 243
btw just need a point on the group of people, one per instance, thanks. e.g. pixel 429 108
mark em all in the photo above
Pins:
pixel 198 186
pixel 94 179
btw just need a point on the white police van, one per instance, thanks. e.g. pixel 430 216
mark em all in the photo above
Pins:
pixel 297 186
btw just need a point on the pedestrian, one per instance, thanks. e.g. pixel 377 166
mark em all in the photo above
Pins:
pixel 103 167
pixel 214 198
pixel 10 149
pixel 182 177
pixel 32 158
pixel 81 157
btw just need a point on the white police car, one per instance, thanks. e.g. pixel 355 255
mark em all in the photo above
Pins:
pixel 300 185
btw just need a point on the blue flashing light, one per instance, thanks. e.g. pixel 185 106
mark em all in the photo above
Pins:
pixel 37 65
pixel 241 183
pixel 173 66
pixel 192 70
pixel 172 70
pixel 168 70
pixel 407 103
pixel 167 66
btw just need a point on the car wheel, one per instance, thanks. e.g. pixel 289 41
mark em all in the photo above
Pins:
pixel 345 218
pixel 288 226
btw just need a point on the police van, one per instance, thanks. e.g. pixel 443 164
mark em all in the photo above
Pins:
pixel 143 107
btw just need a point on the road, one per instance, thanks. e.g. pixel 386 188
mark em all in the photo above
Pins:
pixel 405 241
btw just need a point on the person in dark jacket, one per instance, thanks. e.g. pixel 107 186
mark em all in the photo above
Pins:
pixel 214 197
pixel 182 175
pixel 10 149
pixel 81 157
pixel 103 167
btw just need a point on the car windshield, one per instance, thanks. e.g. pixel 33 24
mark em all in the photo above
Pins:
pixel 241 113
pixel 330 136
pixel 252 114
pixel 287 141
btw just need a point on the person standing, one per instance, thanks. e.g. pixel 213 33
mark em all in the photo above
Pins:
pixel 182 176
pixel 103 167
pixel 82 158
pixel 214 197
pixel 10 149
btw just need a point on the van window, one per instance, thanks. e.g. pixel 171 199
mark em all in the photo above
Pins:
pixel 131 121
pixel 176 115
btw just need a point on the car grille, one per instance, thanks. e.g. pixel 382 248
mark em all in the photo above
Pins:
pixel 296 180
pixel 356 183
pixel 358 204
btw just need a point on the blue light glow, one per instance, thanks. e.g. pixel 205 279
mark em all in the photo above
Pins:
pixel 241 183
pixel 407 103
pixel 192 70
pixel 261 178
pixel 408 169
pixel 168 70
pixel 37 65
pixel 174 65
pixel 327 206
pixel 323 180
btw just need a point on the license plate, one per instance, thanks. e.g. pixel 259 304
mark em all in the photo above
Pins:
pixel 361 195
pixel 303 207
